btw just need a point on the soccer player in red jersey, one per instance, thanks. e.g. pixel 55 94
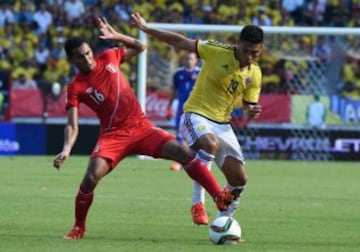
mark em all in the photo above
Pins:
pixel 124 129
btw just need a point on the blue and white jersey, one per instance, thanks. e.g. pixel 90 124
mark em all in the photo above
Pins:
pixel 183 82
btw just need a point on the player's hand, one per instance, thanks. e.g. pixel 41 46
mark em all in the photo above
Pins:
pixel 106 30
pixel 60 159
pixel 253 111
pixel 137 20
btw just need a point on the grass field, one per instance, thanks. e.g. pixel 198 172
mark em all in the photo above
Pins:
pixel 143 206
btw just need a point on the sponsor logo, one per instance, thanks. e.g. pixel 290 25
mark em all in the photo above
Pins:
pixel 156 105
pixel 8 145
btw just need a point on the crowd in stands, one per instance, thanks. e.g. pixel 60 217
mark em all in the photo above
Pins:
pixel 32 34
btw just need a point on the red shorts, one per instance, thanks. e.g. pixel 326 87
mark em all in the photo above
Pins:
pixel 145 139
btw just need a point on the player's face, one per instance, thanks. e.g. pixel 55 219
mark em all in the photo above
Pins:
pixel 248 53
pixel 190 60
pixel 83 58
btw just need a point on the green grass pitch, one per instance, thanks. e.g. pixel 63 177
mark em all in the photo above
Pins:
pixel 143 206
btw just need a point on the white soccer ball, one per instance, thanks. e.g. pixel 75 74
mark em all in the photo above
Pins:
pixel 225 230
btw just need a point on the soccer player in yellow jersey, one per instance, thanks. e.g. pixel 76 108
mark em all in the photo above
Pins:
pixel 229 72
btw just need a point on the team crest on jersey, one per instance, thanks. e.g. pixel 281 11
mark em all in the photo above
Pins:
pixel 201 128
pixel 89 90
pixel 248 81
pixel 111 68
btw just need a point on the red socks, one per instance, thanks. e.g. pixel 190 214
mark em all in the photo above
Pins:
pixel 82 205
pixel 200 173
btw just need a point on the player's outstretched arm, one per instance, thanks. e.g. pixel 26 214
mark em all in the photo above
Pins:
pixel 108 32
pixel 175 39
pixel 70 135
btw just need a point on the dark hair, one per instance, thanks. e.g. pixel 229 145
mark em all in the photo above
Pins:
pixel 252 34
pixel 73 43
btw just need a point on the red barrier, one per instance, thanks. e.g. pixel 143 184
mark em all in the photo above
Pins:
pixel 32 103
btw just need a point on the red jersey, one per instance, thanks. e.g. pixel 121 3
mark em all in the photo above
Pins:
pixel 106 91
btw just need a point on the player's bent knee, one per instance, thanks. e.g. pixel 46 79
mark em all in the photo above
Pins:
pixel 209 143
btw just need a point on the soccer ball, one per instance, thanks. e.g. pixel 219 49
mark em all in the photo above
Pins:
pixel 225 230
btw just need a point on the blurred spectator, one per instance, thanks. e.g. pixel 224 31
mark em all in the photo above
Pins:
pixel 27 33
pixel 242 17
pixel 270 79
pixel 23 82
pixel 285 19
pixel 74 9
pixel 336 13
pixel 43 18
pixel 24 14
pixel 226 10
pixel 348 69
pixel 350 89
pixel 41 55
pixel 28 66
pixel 23 52
pixel 8 36
pixel 6 13
pixel 294 8
pixel 175 14
pixel 57 70
pixel 146 9
pixel 321 49
pixel 191 15
pixel 314 13
pixel 316 113
pixel 350 78
pixel 274 11
pixel 262 19
pixel 123 10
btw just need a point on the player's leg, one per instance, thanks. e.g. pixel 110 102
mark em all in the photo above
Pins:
pixel 158 143
pixel 175 166
pixel 97 168
pixel 231 160
pixel 198 132
pixel 236 177
pixel 196 170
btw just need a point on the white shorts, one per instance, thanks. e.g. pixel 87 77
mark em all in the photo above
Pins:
pixel 193 126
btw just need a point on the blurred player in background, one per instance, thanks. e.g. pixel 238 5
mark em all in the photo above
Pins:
pixel 183 82
pixel 124 129
pixel 228 72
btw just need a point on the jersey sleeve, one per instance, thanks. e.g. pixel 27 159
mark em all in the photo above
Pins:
pixel 252 92
pixel 120 54
pixel 205 50
pixel 114 55
pixel 72 98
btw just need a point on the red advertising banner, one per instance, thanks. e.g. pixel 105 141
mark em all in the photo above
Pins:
pixel 26 103
pixel 32 103
pixel 275 108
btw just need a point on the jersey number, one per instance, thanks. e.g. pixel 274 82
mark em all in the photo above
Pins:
pixel 232 86
pixel 95 95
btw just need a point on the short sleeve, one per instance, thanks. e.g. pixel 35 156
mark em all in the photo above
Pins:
pixel 72 98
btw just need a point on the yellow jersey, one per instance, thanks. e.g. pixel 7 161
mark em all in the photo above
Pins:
pixel 220 82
